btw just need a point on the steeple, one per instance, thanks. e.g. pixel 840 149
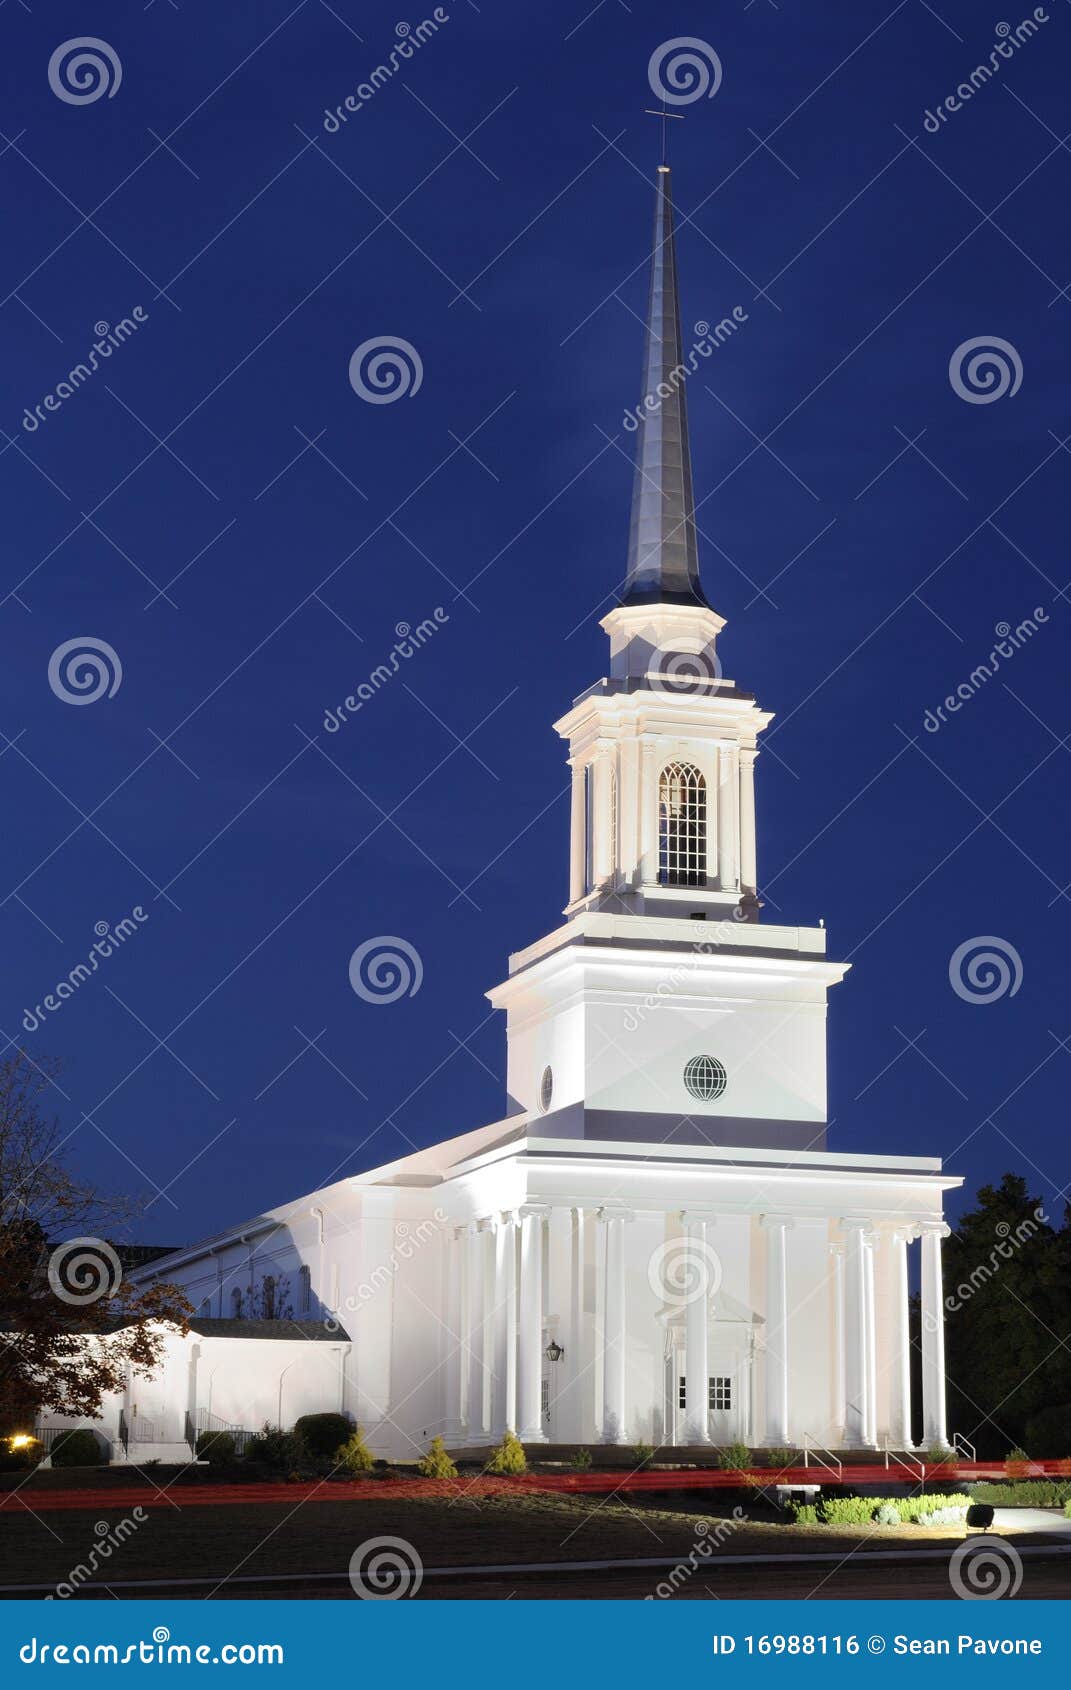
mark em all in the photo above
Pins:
pixel 663 559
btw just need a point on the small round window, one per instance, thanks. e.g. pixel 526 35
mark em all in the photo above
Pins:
pixel 705 1077
pixel 546 1089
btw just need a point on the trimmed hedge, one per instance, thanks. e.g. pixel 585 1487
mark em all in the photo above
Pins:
pixel 216 1447
pixel 866 1510
pixel 80 1448
pixel 1038 1493
pixel 317 1436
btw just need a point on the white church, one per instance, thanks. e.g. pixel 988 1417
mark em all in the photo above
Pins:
pixel 654 1244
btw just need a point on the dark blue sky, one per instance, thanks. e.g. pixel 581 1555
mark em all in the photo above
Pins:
pixel 491 205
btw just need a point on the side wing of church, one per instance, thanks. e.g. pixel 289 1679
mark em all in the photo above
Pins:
pixel 655 1243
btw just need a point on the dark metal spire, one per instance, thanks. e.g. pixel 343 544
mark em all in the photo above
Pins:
pixel 663 560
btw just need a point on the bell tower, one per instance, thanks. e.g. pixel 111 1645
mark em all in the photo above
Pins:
pixel 664 1010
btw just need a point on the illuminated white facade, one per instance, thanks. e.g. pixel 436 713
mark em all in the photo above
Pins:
pixel 655 1243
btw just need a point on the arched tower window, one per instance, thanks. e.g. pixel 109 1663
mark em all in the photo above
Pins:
pixel 682 826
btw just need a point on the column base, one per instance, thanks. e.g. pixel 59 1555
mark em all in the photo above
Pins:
pixel 537 1437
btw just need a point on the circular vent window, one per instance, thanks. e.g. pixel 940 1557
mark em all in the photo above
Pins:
pixel 705 1077
pixel 546 1089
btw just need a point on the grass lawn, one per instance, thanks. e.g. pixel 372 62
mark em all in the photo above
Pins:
pixel 265 1538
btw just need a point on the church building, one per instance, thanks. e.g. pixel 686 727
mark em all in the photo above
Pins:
pixel 655 1243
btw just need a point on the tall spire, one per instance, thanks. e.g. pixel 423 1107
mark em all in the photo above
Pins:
pixel 663 559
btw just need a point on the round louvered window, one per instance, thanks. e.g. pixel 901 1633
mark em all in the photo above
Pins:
pixel 704 1078
pixel 546 1089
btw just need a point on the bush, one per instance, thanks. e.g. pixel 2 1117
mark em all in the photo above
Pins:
pixel 437 1464
pixel 1037 1493
pixel 938 1455
pixel 80 1448
pixel 1067 1509
pixel 354 1456
pixel 271 1448
pixel 509 1457
pixel 805 1513
pixel 1015 1463
pixel 734 1457
pixel 643 1454
pixel 216 1447
pixel 779 1458
pixel 27 1454
pixel 882 1511
pixel 581 1460
pixel 317 1436
pixel 886 1514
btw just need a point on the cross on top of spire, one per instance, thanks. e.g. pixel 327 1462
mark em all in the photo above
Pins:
pixel 676 116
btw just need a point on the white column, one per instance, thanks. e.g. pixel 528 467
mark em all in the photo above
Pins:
pixel 600 816
pixel 613 1222
pixel 648 813
pixel 453 1338
pixel 777 1228
pixel 504 1385
pixel 871 1328
pixel 836 1254
pixel 628 811
pixel 477 1241
pixel 727 784
pixel 935 1430
pixel 748 868
pixel 530 1328
pixel 697 1314
pixel 858 1327
pixel 582 1374
pixel 900 1340
pixel 577 835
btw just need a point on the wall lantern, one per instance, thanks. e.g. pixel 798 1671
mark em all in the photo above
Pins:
pixel 553 1351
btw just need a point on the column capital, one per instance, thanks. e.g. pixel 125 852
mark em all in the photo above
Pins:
pixel 770 1222
pixel 698 1217
pixel 905 1233
pixel 931 1229
pixel 608 1213
pixel 858 1223
pixel 748 754
pixel 533 1211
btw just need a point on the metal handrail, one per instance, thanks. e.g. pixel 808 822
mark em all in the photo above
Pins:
pixel 964 1447
pixel 833 1465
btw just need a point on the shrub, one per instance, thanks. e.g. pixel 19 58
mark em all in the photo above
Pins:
pixel 886 1514
pixel 643 1454
pixel 581 1460
pixel 939 1454
pixel 1015 1463
pixel 437 1464
pixel 271 1448
pixel 779 1458
pixel 509 1457
pixel 317 1436
pixel 216 1446
pixel 80 1448
pixel 1039 1493
pixel 1067 1509
pixel 27 1454
pixel 805 1513
pixel 734 1457
pixel 847 1510
pixel 354 1456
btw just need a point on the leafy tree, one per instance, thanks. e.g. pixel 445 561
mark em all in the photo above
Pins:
pixel 70 1326
pixel 1007 1288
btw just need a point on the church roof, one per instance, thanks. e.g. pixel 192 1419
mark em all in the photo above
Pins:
pixel 663 558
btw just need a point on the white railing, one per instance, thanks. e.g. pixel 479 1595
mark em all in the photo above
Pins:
pixel 822 1457
pixel 962 1446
